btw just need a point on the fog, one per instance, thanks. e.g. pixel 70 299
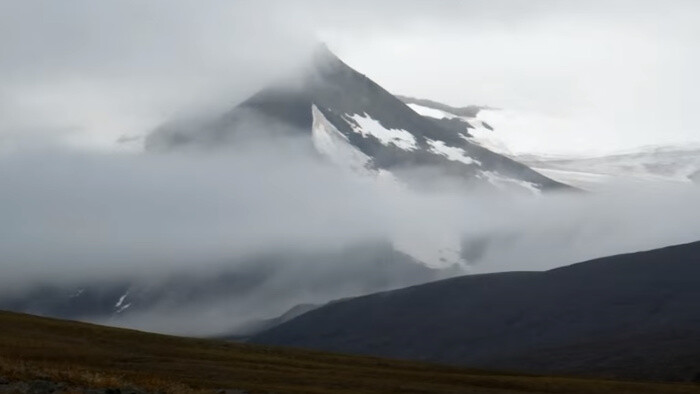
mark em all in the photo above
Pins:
pixel 608 75
pixel 78 207
pixel 69 215
pixel 74 218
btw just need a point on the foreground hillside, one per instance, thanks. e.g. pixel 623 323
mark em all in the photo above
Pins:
pixel 83 355
pixel 632 316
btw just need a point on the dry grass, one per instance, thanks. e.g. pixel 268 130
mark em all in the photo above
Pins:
pixel 77 376
pixel 95 356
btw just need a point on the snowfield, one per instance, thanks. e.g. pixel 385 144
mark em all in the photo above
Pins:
pixel 653 167
pixel 534 140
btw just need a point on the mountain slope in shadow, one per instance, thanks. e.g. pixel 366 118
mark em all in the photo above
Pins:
pixel 634 316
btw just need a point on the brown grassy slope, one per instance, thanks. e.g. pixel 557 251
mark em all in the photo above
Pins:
pixel 91 355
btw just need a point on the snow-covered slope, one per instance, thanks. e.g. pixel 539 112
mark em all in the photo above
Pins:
pixel 520 136
pixel 335 146
pixel 337 149
pixel 504 131
pixel 653 166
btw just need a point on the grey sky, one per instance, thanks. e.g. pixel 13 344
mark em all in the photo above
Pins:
pixel 614 74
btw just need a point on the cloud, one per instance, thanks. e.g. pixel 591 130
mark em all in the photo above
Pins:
pixel 613 74
pixel 116 211
pixel 93 72
pixel 72 218
pixel 82 73
pixel 610 75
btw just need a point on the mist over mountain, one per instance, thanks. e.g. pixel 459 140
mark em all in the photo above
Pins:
pixel 219 218
pixel 352 113
pixel 231 297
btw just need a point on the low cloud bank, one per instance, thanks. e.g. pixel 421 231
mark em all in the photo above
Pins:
pixel 68 213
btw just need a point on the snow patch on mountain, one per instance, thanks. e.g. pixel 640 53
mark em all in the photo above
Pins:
pixel 510 184
pixel 487 137
pixel 451 153
pixel 335 146
pixel 120 302
pixel 365 125
pixel 517 132
pixel 479 130
pixel 431 112
pixel 337 149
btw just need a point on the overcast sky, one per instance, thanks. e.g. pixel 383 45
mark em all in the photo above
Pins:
pixel 608 74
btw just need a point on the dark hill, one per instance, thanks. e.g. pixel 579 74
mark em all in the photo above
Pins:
pixel 634 316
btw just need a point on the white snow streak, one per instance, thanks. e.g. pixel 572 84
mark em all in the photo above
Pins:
pixel 334 145
pixel 365 125
pixel 451 153
pixel 431 112
pixel 507 183
pixel 121 300
pixel 77 293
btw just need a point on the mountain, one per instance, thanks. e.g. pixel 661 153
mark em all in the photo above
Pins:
pixel 631 316
pixel 356 123
pixel 352 122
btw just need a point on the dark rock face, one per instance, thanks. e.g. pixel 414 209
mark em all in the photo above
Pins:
pixel 339 92
pixel 469 111
pixel 455 125
pixel 631 316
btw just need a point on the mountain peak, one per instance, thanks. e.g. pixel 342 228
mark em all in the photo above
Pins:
pixel 324 62
pixel 374 122
pixel 321 51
